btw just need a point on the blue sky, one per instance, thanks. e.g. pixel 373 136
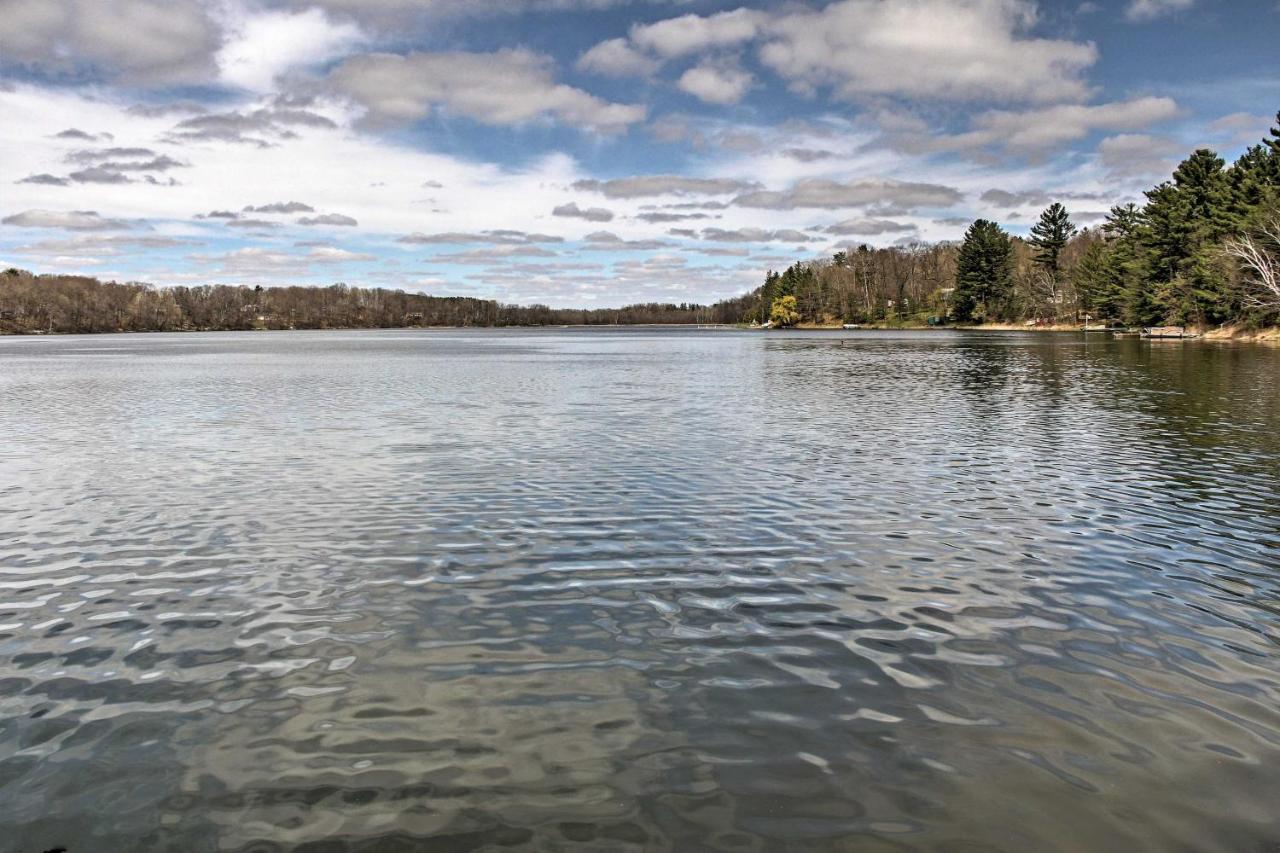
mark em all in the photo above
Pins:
pixel 589 152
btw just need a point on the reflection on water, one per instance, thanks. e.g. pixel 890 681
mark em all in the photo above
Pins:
pixel 610 590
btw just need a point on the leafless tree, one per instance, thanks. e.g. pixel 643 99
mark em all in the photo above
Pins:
pixel 1259 254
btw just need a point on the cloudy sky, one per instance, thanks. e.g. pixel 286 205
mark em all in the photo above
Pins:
pixel 588 152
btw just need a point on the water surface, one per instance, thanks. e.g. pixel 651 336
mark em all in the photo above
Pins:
pixel 638 590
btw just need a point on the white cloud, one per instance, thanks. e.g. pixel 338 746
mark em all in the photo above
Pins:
pixel 936 49
pixel 265 45
pixel 689 34
pixel 138 41
pixel 716 84
pixel 70 220
pixel 1242 127
pixel 833 195
pixel 258 263
pixel 398 16
pixel 1146 10
pixel 503 88
pixel 755 235
pixel 333 219
pixel 1043 129
pixel 591 214
pixel 334 255
pixel 616 58
pixel 642 186
pixel 868 227
pixel 1136 156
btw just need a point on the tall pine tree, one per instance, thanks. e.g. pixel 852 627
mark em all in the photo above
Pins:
pixel 1049 237
pixel 984 274
pixel 1129 261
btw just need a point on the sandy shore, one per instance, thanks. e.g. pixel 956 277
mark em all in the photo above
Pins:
pixel 1236 333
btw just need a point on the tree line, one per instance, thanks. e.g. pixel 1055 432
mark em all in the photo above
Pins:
pixel 32 303
pixel 1204 249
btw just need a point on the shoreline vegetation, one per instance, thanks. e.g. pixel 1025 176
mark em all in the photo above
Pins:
pixel 1203 252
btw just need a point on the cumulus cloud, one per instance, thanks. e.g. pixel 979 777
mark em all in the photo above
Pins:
pixel 659 217
pixel 936 49
pixel 398 16
pixel 259 261
pixel 494 238
pixel 868 227
pixel 280 207
pixel 46 179
pixel 1005 198
pixel 503 88
pixel 336 219
pixel 643 186
pixel 90 245
pixel 98 175
pixel 71 220
pixel 163 163
pixel 97 155
pixel 755 235
pixel 715 83
pixel 616 58
pixel 607 241
pixel 828 194
pixel 260 224
pixel 689 34
pixel 270 43
pixel 236 127
pixel 591 214
pixel 1129 156
pixel 78 134
pixel 1241 127
pixel 335 255
pixel 1043 129
pixel 808 155
pixel 145 42
pixel 493 255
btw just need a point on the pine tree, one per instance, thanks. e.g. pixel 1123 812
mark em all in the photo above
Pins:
pixel 984 273
pixel 1129 261
pixel 1273 147
pixel 1049 237
pixel 1204 186
pixel 1188 220
pixel 1099 281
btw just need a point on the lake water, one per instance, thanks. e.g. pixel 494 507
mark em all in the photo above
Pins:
pixel 638 590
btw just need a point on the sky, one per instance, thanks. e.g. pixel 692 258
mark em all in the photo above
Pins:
pixel 589 153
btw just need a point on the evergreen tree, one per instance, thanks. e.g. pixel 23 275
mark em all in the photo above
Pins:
pixel 1049 237
pixel 1128 262
pixel 1206 192
pixel 1272 144
pixel 1187 221
pixel 1099 281
pixel 984 273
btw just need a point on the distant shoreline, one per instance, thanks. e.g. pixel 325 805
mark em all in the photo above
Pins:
pixel 1235 334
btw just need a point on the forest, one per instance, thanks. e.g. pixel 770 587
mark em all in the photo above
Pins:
pixel 1202 250
pixel 76 304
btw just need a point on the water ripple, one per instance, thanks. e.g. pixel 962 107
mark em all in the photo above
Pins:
pixel 636 590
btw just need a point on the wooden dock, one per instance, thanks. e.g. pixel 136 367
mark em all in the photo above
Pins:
pixel 1168 332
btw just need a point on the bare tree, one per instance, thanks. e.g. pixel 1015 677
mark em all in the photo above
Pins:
pixel 1259 253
